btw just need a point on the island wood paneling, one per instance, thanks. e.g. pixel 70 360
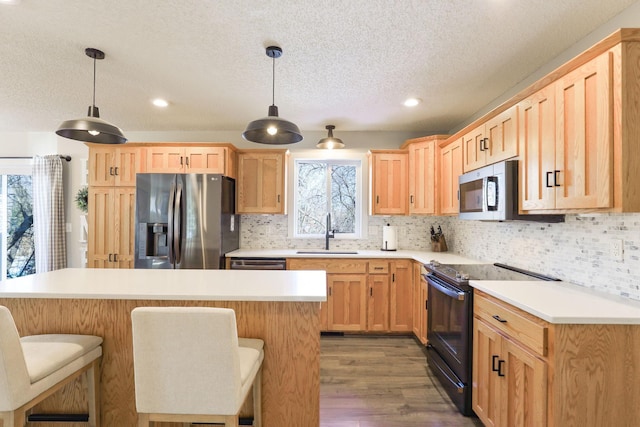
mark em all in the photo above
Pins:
pixel 291 367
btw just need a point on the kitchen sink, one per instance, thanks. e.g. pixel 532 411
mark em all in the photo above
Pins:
pixel 327 252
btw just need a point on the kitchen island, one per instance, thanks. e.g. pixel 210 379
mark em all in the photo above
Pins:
pixel 279 307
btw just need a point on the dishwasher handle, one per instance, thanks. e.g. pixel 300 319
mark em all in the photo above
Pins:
pixel 258 264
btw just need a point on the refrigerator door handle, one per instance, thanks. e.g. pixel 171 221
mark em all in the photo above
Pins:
pixel 177 224
pixel 172 196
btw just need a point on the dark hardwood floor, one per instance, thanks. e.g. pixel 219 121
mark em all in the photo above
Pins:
pixel 381 382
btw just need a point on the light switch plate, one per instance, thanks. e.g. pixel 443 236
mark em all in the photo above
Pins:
pixel 617 249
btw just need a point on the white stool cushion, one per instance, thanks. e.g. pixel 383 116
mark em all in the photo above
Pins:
pixel 45 354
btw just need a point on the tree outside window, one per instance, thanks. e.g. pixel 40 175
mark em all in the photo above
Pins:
pixel 326 186
pixel 16 216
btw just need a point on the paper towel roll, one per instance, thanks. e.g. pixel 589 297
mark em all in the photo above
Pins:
pixel 389 240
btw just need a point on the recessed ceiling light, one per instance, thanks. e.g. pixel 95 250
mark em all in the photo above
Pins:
pixel 159 102
pixel 412 102
pixel 9 1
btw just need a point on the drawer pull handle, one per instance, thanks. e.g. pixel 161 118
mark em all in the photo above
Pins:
pixel 494 359
pixel 500 365
pixel 378 268
pixel 499 319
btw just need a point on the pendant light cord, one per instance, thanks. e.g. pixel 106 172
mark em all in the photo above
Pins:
pixel 273 82
pixel 94 81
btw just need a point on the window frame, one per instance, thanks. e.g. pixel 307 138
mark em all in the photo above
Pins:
pixel 359 160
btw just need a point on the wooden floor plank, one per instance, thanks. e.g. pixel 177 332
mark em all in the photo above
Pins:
pixel 381 382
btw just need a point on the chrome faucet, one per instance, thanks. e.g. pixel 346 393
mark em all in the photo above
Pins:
pixel 329 233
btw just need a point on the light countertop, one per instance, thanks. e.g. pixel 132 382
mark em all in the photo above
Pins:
pixel 563 303
pixel 207 285
pixel 420 256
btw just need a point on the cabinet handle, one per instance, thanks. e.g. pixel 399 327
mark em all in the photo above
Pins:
pixel 494 359
pixel 181 161
pixel 111 170
pixel 556 178
pixel 371 291
pixel 115 257
pixel 393 278
pixel 499 319
pixel 278 198
pixel 329 291
pixel 411 198
pixel 458 195
pixel 187 161
pixel 377 199
pixel 548 175
pixel 484 144
pixel 116 171
pixel 480 144
pixel 110 257
pixel 378 268
pixel 500 365
pixel 426 305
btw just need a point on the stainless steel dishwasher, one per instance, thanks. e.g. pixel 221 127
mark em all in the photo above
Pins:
pixel 258 264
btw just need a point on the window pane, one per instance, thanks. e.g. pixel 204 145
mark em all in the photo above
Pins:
pixel 343 198
pixel 312 198
pixel 20 250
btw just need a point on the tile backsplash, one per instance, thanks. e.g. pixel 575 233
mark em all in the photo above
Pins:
pixel 577 251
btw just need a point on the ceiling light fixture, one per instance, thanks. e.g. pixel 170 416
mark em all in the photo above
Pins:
pixel 330 143
pixel 272 129
pixel 412 102
pixel 159 102
pixel 92 128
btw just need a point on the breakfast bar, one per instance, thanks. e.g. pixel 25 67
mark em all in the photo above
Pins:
pixel 279 307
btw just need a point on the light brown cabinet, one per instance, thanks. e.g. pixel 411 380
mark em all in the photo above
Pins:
pixel 191 158
pixel 401 296
pixel 566 161
pixel 491 142
pixel 114 166
pixel 419 303
pixel 260 187
pixel 389 182
pixel 450 158
pixel 111 232
pixel 378 296
pixel 423 173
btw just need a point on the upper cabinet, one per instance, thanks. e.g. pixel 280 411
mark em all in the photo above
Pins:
pixel 192 158
pixel 260 187
pixel 388 180
pixel 422 174
pixel 115 166
pixel 493 141
pixel 450 160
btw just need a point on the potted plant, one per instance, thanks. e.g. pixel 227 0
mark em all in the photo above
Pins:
pixel 82 199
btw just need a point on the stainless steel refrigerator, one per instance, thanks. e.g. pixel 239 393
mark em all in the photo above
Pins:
pixel 185 220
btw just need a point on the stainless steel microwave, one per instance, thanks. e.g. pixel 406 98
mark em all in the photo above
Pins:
pixel 491 194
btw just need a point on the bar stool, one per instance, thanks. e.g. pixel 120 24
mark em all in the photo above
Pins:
pixel 34 367
pixel 190 366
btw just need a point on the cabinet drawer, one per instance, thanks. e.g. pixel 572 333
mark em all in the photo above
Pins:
pixel 378 267
pixel 346 266
pixel 515 323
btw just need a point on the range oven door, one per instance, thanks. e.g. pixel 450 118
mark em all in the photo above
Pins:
pixel 449 325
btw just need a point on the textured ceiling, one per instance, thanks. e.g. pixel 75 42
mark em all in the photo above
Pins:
pixel 350 63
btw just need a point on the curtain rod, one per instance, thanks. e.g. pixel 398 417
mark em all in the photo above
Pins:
pixel 67 158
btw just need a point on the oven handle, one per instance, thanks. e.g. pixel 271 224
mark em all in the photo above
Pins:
pixel 444 288
pixel 457 384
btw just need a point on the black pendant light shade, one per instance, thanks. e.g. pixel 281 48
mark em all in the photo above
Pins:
pixel 92 128
pixel 272 129
pixel 330 143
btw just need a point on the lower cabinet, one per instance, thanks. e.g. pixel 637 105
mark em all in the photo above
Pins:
pixel 419 304
pixel 364 295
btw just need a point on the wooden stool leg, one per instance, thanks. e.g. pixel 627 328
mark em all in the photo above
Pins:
pixel 257 399
pixel 93 394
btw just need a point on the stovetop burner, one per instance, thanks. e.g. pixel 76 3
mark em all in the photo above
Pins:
pixel 461 273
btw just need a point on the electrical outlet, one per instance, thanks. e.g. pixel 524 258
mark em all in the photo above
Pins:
pixel 617 249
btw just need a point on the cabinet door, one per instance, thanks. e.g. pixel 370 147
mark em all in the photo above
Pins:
pixel 401 298
pixel 417 270
pixel 502 136
pixel 101 166
pixel 422 186
pixel 128 162
pixel 537 150
pixel 205 160
pixel 450 171
pixel 100 235
pixel 423 317
pixel 473 148
pixel 261 180
pixel 166 159
pixel 123 226
pixel 378 303
pixel 584 127
pixel 525 394
pixel 389 183
pixel 486 382
pixel 347 302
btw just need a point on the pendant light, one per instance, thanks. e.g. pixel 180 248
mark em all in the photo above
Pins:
pixel 330 143
pixel 92 128
pixel 272 129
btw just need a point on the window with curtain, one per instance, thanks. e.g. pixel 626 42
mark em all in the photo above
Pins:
pixel 17 254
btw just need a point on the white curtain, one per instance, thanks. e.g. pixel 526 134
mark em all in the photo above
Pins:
pixel 48 213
